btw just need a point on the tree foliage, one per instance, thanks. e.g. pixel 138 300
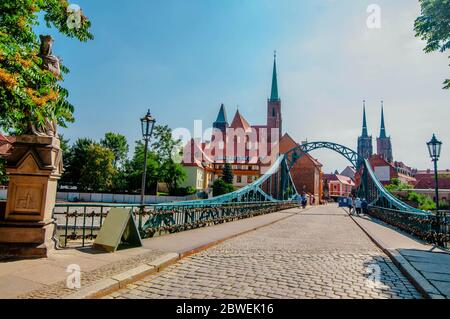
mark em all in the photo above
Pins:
pixel 118 144
pixel 227 173
pixel 422 201
pixel 397 185
pixel 168 152
pixel 28 93
pixel 103 159
pixel 3 176
pixel 220 187
pixel 433 26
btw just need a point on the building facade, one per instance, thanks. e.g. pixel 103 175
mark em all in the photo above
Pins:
pixel 306 173
pixel 250 149
pixel 384 143
pixel 365 147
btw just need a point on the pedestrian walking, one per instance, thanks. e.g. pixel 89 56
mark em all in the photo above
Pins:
pixel 358 205
pixel 364 206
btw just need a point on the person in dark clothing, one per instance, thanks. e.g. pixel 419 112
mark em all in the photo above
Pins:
pixel 364 206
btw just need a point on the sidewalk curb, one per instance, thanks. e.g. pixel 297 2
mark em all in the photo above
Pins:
pixel 109 285
pixel 416 279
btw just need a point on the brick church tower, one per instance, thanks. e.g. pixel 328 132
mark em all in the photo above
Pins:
pixel 384 144
pixel 274 119
pixel 365 147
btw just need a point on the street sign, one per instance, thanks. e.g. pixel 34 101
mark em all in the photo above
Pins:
pixel 119 229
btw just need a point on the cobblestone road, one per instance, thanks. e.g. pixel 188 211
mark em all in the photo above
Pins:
pixel 319 253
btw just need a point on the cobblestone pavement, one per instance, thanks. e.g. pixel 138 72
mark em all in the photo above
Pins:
pixel 60 289
pixel 320 253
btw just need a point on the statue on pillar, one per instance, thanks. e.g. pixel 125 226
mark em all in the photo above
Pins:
pixel 51 63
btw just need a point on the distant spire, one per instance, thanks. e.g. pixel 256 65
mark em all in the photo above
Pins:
pixel 383 127
pixel 364 129
pixel 274 93
pixel 222 116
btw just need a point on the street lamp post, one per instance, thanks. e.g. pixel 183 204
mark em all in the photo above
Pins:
pixel 147 124
pixel 434 147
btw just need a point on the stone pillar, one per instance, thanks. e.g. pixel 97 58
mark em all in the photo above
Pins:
pixel 34 168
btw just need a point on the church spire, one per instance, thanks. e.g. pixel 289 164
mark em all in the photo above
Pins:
pixel 274 93
pixel 364 128
pixel 383 127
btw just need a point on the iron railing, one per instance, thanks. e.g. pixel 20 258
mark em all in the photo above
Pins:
pixel 78 224
pixel 432 228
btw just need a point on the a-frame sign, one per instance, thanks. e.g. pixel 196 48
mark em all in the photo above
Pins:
pixel 118 229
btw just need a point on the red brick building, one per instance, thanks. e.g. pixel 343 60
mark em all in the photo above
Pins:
pixel 306 173
pixel 250 149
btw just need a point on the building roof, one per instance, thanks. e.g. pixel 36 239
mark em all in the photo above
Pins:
pixel 240 122
pixel 288 140
pixel 222 116
pixel 364 128
pixel 345 180
pixel 426 181
pixel 274 92
pixel 383 127
pixel 329 177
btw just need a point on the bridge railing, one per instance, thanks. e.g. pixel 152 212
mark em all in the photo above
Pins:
pixel 77 225
pixel 432 228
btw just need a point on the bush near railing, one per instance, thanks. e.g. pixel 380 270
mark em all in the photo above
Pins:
pixel 425 227
pixel 78 224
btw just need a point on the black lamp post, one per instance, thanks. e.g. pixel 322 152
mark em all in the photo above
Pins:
pixel 434 147
pixel 147 123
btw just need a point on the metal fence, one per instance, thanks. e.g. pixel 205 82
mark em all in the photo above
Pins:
pixel 78 224
pixel 432 228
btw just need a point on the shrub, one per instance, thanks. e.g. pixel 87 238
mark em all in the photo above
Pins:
pixel 221 188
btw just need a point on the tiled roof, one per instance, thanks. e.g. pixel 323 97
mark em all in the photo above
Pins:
pixel 240 122
pixel 426 181
pixel 345 180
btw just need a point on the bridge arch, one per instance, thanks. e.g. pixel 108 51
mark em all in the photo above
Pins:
pixel 297 152
pixel 370 187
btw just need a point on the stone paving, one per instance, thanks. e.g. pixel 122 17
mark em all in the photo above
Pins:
pixel 320 253
pixel 59 289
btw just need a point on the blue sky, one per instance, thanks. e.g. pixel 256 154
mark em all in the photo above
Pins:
pixel 183 58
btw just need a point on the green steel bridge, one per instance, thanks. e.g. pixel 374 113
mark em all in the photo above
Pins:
pixel 273 191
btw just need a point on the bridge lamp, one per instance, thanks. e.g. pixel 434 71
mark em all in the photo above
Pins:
pixel 434 147
pixel 147 125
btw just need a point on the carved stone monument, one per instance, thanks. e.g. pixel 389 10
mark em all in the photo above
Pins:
pixel 34 167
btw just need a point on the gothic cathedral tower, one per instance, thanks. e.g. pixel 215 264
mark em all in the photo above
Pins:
pixel 274 119
pixel 384 144
pixel 365 148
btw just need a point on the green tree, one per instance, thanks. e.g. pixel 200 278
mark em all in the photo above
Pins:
pixel 3 176
pixel 433 26
pixel 118 144
pixel 168 152
pixel 227 173
pixel 98 171
pixel 220 187
pixel 422 201
pixel 65 147
pixel 397 185
pixel 135 168
pixel 74 161
pixel 28 93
